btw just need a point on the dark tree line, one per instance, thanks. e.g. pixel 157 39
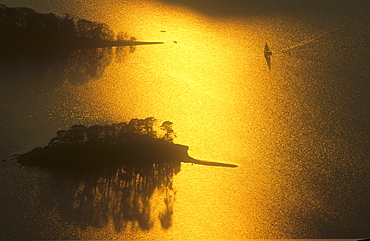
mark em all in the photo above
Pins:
pixel 23 27
pixel 138 142
pixel 136 130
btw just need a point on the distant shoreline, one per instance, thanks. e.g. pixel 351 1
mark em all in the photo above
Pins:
pixel 24 31
pixel 86 43
pixel 19 46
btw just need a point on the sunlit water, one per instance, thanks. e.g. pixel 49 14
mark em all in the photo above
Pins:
pixel 299 133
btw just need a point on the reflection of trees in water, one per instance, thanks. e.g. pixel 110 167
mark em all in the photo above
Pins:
pixel 84 64
pixel 122 51
pixel 107 175
pixel 76 67
pixel 54 47
pixel 119 196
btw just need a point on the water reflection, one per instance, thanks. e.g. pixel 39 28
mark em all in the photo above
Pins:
pixel 113 196
pixel 56 47
pixel 76 67
pixel 85 64
pixel 299 132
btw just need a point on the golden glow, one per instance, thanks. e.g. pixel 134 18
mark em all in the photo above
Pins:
pixel 206 84
pixel 214 85
pixel 298 132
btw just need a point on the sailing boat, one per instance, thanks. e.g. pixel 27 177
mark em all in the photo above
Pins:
pixel 267 54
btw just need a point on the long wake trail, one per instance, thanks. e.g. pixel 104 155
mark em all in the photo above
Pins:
pixel 303 42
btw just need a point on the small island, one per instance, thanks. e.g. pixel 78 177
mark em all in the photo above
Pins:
pixel 136 143
pixel 23 30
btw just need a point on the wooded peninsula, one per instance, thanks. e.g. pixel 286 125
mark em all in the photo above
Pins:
pixel 138 142
pixel 24 30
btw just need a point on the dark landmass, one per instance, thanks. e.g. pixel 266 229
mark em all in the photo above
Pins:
pixel 134 143
pixel 25 31
pixel 97 43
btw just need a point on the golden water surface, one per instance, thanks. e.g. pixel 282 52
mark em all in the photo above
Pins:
pixel 211 80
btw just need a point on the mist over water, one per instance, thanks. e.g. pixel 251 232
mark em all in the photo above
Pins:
pixel 299 132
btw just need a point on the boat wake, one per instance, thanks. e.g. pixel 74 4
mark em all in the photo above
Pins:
pixel 268 51
pixel 301 43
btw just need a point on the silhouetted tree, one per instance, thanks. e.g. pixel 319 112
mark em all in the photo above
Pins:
pixel 169 132
pixel 67 26
pixel 90 29
pixel 122 36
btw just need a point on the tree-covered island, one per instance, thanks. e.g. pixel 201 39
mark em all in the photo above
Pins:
pixel 24 30
pixel 138 142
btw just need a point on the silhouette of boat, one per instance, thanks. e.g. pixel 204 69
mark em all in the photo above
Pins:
pixel 268 54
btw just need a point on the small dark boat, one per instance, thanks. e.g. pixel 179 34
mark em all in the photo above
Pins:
pixel 268 54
